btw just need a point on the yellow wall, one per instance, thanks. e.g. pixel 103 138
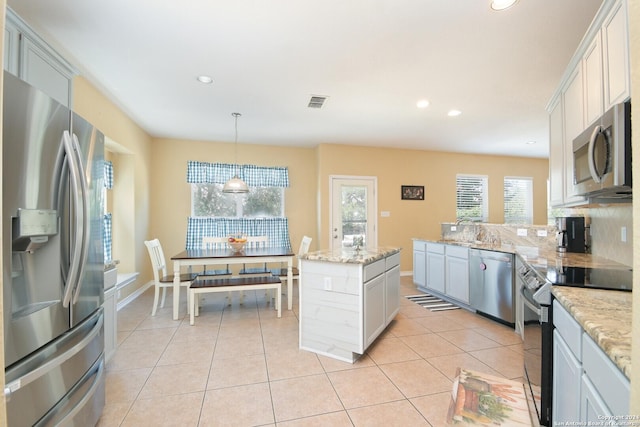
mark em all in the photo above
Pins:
pixel 171 195
pixel 130 148
pixel 437 172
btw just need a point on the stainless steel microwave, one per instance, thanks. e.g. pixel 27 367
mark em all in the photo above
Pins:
pixel 602 156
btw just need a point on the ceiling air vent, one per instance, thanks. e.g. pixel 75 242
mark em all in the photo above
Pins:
pixel 316 101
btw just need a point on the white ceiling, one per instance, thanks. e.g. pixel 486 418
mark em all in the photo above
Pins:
pixel 374 59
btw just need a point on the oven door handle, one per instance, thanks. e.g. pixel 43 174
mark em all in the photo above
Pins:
pixel 542 311
pixel 528 303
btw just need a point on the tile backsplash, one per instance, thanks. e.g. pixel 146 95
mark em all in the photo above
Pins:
pixel 607 223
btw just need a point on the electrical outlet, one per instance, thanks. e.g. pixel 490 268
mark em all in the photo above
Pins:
pixel 385 214
pixel 522 232
pixel 454 228
pixel 623 234
pixel 542 233
pixel 327 283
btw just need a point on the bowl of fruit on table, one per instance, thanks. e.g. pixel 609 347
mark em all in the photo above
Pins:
pixel 237 242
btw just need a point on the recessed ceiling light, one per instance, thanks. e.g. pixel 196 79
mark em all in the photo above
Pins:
pixel 423 103
pixel 530 142
pixel 502 4
pixel 454 113
pixel 205 79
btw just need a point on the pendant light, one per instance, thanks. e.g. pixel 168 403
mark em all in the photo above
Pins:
pixel 235 185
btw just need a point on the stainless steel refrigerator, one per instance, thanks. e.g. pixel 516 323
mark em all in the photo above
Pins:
pixel 52 226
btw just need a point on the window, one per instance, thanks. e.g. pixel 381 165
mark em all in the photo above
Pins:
pixel 518 200
pixel 472 198
pixel 257 213
pixel 208 200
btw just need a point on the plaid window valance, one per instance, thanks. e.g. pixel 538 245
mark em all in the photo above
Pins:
pixel 276 229
pixel 254 176
pixel 108 175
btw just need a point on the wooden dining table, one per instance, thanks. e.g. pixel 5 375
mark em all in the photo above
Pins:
pixel 226 256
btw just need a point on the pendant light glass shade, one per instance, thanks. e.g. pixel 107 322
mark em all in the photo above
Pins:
pixel 235 185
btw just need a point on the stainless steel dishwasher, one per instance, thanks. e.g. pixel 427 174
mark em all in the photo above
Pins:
pixel 491 284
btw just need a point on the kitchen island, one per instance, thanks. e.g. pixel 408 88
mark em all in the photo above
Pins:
pixel 347 298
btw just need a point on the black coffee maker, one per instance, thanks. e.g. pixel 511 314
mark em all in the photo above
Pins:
pixel 572 234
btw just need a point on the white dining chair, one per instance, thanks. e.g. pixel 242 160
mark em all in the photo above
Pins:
pixel 160 277
pixel 256 242
pixel 281 272
pixel 209 242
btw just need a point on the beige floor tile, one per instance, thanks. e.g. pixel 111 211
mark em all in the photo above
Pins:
pixel 333 419
pixel 331 365
pixel 415 312
pixel 125 385
pixel 501 334
pixel 292 363
pixel 438 323
pixel 303 397
pixel 416 378
pixel 114 413
pixel 405 326
pixel 434 408
pixel 149 338
pixel 430 345
pixel 134 358
pixel 237 347
pixel 247 405
pixel 286 340
pixel 468 339
pixel 173 380
pixel 199 331
pixel 389 350
pixel 179 410
pixel 400 413
pixel 504 360
pixel 449 364
pixel 237 371
pixel 190 351
pixel 364 387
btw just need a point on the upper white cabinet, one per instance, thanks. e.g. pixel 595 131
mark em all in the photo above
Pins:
pixel 30 58
pixel 615 45
pixel 596 78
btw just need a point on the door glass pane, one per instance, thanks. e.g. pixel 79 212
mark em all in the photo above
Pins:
pixel 354 216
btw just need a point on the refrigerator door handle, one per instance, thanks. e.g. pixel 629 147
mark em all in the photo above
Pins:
pixel 82 222
pixel 43 369
pixel 73 276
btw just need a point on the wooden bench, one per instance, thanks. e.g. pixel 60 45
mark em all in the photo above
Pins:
pixel 201 286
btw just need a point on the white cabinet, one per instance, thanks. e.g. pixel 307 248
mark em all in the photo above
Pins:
pixel 573 118
pixel 30 58
pixel 592 81
pixel 374 309
pixel 435 267
pixel 110 322
pixel 586 383
pixel 556 154
pixel 597 77
pixel 615 40
pixel 457 273
pixel 419 263
pixel 567 377
pixel 344 306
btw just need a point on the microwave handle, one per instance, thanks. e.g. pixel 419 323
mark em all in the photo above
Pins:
pixel 591 155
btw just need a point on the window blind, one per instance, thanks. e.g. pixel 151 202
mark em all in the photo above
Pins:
pixel 518 200
pixel 472 198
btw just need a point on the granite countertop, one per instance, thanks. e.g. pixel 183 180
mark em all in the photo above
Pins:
pixel 351 256
pixel 605 316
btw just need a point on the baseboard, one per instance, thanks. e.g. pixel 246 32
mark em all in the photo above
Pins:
pixel 406 273
pixel 135 294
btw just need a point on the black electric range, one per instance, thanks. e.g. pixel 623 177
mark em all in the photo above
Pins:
pixel 592 278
